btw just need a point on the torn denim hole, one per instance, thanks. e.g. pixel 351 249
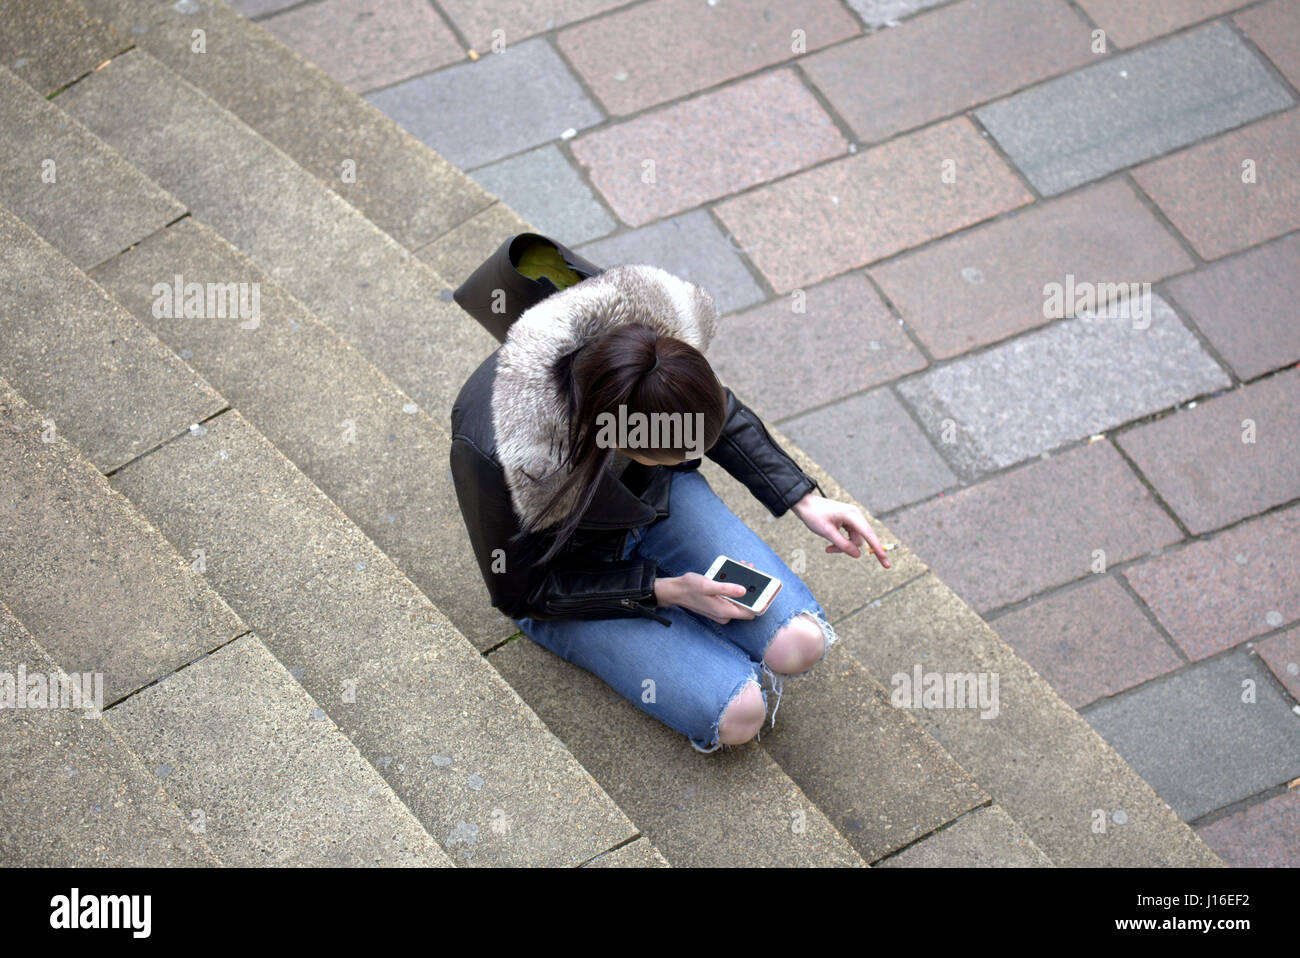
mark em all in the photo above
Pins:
pixel 777 679
pixel 713 731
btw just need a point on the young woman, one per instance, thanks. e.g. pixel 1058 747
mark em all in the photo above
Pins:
pixel 599 552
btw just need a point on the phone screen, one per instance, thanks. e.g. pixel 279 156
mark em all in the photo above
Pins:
pixel 753 581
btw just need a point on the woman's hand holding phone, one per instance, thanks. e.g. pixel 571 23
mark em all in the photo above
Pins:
pixel 701 594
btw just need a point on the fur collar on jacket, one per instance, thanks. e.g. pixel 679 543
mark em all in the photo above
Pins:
pixel 528 407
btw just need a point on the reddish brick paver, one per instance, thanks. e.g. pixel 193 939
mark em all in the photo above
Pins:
pixel 1036 527
pixel 366 44
pixel 1262 836
pixel 1130 22
pixel 1248 307
pixel 860 209
pixel 1215 593
pixel 1089 642
pixel 657 51
pixel 756 351
pixel 1203 190
pixel 987 284
pixel 1198 461
pixel 720 143
pixel 1275 28
pixel 940 63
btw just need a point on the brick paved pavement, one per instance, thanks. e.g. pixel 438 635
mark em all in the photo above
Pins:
pixel 882 195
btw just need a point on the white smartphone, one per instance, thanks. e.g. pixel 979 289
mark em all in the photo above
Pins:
pixel 760 589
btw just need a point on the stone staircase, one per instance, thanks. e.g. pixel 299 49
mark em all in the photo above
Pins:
pixel 247 524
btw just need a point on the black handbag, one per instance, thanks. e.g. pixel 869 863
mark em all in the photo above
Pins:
pixel 524 270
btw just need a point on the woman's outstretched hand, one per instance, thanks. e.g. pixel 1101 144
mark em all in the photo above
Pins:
pixel 827 518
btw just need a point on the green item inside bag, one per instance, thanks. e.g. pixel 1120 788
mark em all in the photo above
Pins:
pixel 542 259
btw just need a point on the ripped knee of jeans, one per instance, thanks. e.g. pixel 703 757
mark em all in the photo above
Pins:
pixel 777 679
pixel 714 734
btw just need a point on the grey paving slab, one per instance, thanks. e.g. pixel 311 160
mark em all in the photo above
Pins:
pixel 689 246
pixel 357 279
pixel 986 838
pixel 725 809
pixel 871 768
pixel 74 795
pixel 1207 736
pixel 237 743
pixel 1132 107
pixel 50 43
pixel 94 583
pixel 410 192
pixel 362 441
pixel 1036 757
pixel 103 379
pixel 875 448
pixel 544 188
pixel 1070 380
pixel 486 778
pixel 67 185
pixel 487 109
pixel 879 13
pixel 637 854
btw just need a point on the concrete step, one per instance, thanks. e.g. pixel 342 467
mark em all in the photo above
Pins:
pixel 104 380
pixel 359 438
pixel 99 588
pixel 102 591
pixel 723 810
pixel 478 768
pixel 986 838
pixel 74 794
pixel 355 277
pixel 50 43
pixel 407 190
pixel 67 185
pixel 251 758
pixel 1039 759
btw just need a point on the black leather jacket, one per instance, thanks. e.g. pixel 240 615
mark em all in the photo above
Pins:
pixel 588 579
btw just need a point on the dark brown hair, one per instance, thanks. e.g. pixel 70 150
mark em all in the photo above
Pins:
pixel 615 369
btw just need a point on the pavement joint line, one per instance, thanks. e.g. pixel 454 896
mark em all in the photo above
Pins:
pixel 1145 608
pixel 1241 805
pixel 987 803
pixel 168 441
pixel 1250 45
pixel 1151 489
pixel 1173 675
pixel 180 668
pixel 1152 207
pixel 880 598
pixel 95 69
pixel 613 848
pixel 1126 564
pixel 987 136
pixel 894 311
pixel 1235 255
pixel 770 295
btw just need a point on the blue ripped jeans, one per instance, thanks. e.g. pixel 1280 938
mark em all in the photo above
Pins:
pixel 686 674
